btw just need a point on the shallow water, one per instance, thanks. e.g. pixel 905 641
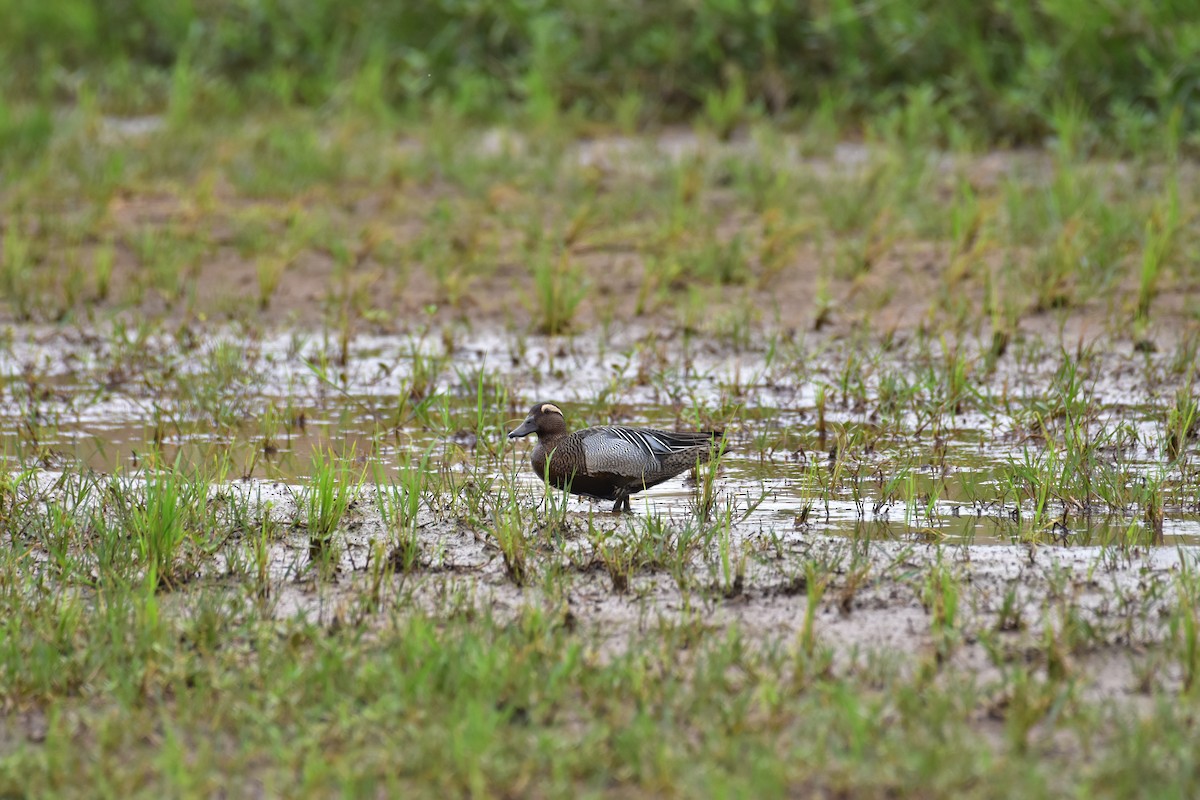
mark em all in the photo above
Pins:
pixel 266 409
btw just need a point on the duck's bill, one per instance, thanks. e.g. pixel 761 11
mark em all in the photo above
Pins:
pixel 527 427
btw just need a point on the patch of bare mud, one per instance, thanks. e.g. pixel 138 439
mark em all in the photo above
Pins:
pixel 892 295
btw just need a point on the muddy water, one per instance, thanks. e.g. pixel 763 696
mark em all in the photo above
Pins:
pixel 264 408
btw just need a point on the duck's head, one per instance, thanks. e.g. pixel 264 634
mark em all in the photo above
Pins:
pixel 544 419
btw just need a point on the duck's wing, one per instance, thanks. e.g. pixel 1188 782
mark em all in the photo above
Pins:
pixel 663 443
pixel 611 451
pixel 637 452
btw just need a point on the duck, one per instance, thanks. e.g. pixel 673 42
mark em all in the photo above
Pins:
pixel 610 462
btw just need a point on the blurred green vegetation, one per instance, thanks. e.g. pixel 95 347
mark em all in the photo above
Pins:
pixel 1000 69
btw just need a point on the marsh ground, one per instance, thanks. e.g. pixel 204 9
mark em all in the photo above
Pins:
pixel 265 536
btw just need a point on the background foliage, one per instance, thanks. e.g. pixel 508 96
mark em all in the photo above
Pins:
pixel 1000 67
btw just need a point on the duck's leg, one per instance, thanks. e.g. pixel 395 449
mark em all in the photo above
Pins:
pixel 622 500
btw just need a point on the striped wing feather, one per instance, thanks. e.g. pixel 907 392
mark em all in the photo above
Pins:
pixel 660 443
pixel 641 454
